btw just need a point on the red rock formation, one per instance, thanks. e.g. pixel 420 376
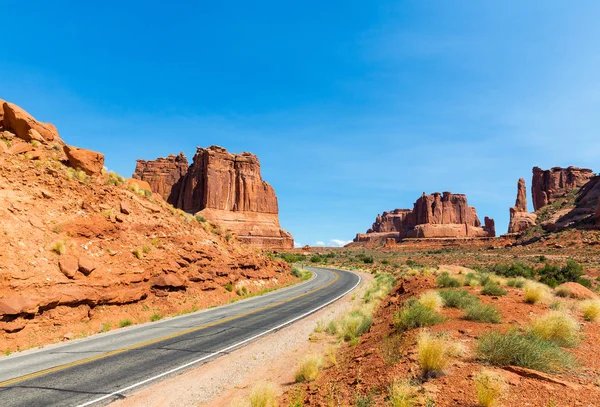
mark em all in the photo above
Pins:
pixel 520 218
pixel 437 215
pixel 223 187
pixel 24 126
pixel 88 161
pixel 164 175
pixel 549 185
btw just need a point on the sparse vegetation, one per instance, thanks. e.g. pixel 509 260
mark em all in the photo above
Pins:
pixel 434 354
pixel 591 310
pixel 483 313
pixel 514 348
pixel 59 247
pixel 309 369
pixel 489 387
pixel 416 315
pixel 139 253
pixel 263 395
pixel 402 394
pixel 493 289
pixel 432 300
pixel 535 292
pixel 200 218
pixel 558 327
pixel 107 326
pixel 229 287
pixel 156 317
pixel 444 280
pixel 125 322
pixel 457 298
pixel 553 275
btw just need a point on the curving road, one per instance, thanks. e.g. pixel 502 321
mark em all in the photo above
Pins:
pixel 106 367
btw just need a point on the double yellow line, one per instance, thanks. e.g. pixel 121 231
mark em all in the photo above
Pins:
pixel 153 341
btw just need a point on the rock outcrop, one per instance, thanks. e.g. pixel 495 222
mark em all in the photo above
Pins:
pixel 164 175
pixel 24 126
pixel 437 215
pixel 225 188
pixel 520 218
pixel 549 185
pixel 88 161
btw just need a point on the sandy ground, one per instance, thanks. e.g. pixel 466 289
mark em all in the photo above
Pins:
pixel 231 377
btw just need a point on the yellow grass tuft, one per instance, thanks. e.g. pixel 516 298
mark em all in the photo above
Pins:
pixel 536 292
pixel 434 354
pixel 309 368
pixel 432 300
pixel 489 386
pixel 558 327
pixel 591 310
pixel 402 394
pixel 264 395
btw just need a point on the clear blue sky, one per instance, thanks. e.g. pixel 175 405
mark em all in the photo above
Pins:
pixel 353 107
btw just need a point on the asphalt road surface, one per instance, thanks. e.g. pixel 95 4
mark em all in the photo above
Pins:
pixel 98 370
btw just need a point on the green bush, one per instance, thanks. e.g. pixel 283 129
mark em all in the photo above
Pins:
pixel 367 259
pixel 586 282
pixel 513 270
pixel 515 283
pixel 513 348
pixel 416 315
pixel 444 280
pixel 457 298
pixel 493 290
pixel 483 313
pixel 229 287
pixel 553 275
pixel 200 219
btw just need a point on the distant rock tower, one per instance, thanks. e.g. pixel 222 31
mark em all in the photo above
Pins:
pixel 520 218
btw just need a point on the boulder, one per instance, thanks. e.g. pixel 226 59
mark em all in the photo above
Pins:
pixel 549 185
pixel 125 208
pixel 20 148
pixel 69 266
pixel 86 265
pixel 88 161
pixel 18 121
pixel 578 291
pixel 169 281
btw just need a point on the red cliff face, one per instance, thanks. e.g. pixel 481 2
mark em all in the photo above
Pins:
pixel 223 187
pixel 549 185
pixel 520 218
pixel 164 175
pixel 437 215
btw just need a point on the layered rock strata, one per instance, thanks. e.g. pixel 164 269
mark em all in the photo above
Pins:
pixel 437 215
pixel 225 188
pixel 520 218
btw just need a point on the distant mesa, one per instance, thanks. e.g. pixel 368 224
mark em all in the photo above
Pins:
pixel 223 187
pixel 433 216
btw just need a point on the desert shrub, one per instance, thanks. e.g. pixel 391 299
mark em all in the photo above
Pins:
pixel 457 298
pixel 353 325
pixel 263 395
pixel 432 300
pixel 535 292
pixel 590 309
pixel 483 313
pixel 553 275
pixel 365 258
pixel 59 247
pixel 416 315
pixel 414 264
pixel 125 322
pixel 586 282
pixel 242 291
pixel 513 348
pixel 200 219
pixel 493 289
pixel 434 354
pixel 138 253
pixel 309 369
pixel 516 282
pixel 107 326
pixel 444 280
pixel 489 387
pixel 402 394
pixel 485 278
pixel 513 270
pixel 156 317
pixel 558 327
pixel 229 287
pixel 291 257
pixel 379 288
pixel 563 292
pixel 296 272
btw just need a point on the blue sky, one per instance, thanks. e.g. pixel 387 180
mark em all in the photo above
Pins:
pixel 353 107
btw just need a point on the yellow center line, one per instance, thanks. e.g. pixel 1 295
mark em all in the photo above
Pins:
pixel 153 341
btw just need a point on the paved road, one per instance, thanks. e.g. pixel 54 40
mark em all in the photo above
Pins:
pixel 106 367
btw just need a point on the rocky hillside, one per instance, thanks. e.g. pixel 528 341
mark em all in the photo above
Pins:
pixel 83 251
pixel 437 215
pixel 222 187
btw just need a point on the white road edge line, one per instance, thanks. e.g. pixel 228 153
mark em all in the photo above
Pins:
pixel 133 386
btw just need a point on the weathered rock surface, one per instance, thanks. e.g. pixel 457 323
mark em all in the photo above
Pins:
pixel 549 185
pixel 520 218
pixel 222 187
pixel 21 123
pixel 163 175
pixel 88 161
pixel 437 215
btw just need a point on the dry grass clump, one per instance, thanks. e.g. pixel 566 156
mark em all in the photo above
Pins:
pixel 402 394
pixel 563 292
pixel 445 280
pixel 309 368
pixel 536 292
pixel 558 327
pixel 416 315
pixel 493 289
pixel 263 395
pixel 432 300
pixel 59 247
pixel 457 298
pixel 434 354
pixel 590 309
pixel 489 387
pixel 483 313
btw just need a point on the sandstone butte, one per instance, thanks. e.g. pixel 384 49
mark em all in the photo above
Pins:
pixel 520 218
pixel 225 188
pixel 437 215
pixel 549 185
pixel 81 252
